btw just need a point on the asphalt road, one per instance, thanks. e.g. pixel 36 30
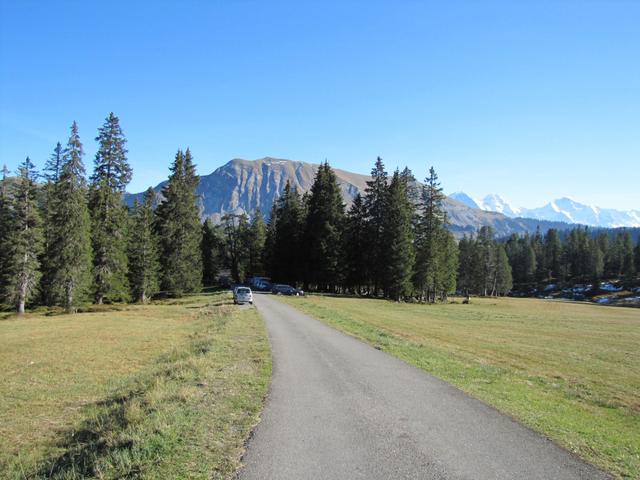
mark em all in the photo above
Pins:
pixel 340 409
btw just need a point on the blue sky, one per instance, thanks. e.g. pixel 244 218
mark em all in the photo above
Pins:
pixel 531 100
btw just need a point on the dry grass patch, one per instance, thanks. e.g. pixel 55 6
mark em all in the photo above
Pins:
pixel 139 392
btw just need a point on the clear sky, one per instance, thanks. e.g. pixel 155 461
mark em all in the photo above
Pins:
pixel 529 99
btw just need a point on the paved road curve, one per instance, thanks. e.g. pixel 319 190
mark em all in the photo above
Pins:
pixel 340 409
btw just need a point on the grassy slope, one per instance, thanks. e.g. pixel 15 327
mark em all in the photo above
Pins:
pixel 161 391
pixel 571 371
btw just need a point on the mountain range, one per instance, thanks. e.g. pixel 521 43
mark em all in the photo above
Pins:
pixel 242 186
pixel 560 210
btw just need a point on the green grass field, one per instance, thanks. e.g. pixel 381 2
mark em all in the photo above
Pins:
pixel 169 390
pixel 570 371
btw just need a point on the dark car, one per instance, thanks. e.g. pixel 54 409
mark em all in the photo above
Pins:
pixel 282 289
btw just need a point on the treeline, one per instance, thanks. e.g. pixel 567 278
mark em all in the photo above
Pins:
pixel 72 240
pixel 580 256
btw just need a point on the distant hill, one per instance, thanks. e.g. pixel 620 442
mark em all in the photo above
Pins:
pixel 242 186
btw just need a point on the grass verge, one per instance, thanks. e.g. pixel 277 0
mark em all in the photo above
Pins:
pixel 569 371
pixel 162 391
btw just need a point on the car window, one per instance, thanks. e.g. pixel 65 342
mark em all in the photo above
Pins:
pixel 243 290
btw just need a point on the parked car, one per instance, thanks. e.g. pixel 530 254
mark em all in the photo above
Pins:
pixel 242 295
pixel 261 284
pixel 282 289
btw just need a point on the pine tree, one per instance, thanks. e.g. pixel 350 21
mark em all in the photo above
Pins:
pixel 504 280
pixel 211 253
pixel 487 255
pixel 24 239
pixel 288 222
pixel 399 255
pixel 257 239
pixel 466 256
pixel 179 228
pixel 144 266
pixel 6 227
pixel 69 250
pixel 636 255
pixel 552 254
pixel 375 201
pixel 323 231
pixel 355 241
pixel 236 244
pixel 52 171
pixel 429 239
pixel 628 265
pixel 109 218
pixel 446 280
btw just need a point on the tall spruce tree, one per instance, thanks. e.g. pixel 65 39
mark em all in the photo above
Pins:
pixel 24 240
pixel 399 255
pixel 355 241
pixel 109 217
pixel 52 175
pixel 375 202
pixel 144 265
pixel 69 247
pixel 503 279
pixel 180 231
pixel 448 262
pixel 429 239
pixel 289 224
pixel 323 231
pixel 6 227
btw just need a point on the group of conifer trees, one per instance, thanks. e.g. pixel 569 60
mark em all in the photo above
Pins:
pixel 392 242
pixel 70 240
pixel 579 256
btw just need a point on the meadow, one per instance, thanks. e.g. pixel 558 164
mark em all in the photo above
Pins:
pixel 568 370
pixel 167 390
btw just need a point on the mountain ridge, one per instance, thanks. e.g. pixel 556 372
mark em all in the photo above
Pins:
pixel 242 186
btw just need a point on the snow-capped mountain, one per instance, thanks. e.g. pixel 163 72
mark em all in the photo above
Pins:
pixel 466 199
pixel 495 203
pixel 561 210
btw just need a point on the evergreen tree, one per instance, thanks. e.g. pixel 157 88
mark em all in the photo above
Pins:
pixel 636 255
pixel 24 240
pixel 449 262
pixel 429 239
pixel 375 201
pixel 52 175
pixel 355 241
pixel 211 253
pixel 323 231
pixel 109 218
pixel 628 270
pixel 257 239
pixel 179 228
pixel 288 222
pixel 399 255
pixel 552 254
pixel 269 255
pixel 6 227
pixel 504 280
pixel 487 257
pixel 467 264
pixel 144 266
pixel 69 247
